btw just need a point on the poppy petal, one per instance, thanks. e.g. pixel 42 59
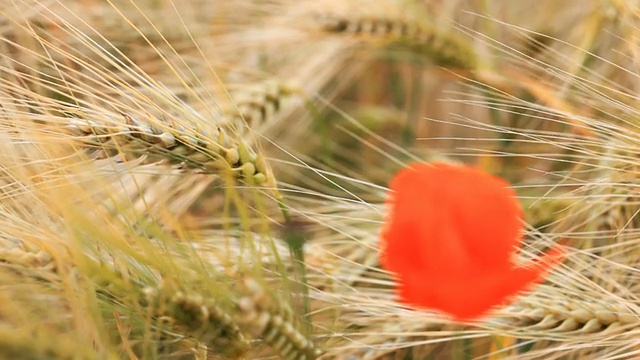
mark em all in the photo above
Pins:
pixel 450 237
pixel 444 217
pixel 468 299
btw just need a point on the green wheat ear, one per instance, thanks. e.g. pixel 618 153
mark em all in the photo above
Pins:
pixel 199 317
pixel 266 317
pixel 174 313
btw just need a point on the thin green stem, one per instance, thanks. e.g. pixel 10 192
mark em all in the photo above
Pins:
pixel 295 236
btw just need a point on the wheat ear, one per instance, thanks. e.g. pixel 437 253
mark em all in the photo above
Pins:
pixel 179 313
pixel 271 320
pixel 197 316
pixel 27 345
pixel 258 106
pixel 208 153
pixel 584 316
pixel 445 49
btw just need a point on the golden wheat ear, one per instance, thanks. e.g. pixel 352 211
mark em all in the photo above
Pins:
pixel 194 150
pixel 269 319
pixel 416 33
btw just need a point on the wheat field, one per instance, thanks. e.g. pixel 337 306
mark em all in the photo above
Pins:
pixel 206 179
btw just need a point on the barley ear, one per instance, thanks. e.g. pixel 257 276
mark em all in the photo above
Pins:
pixel 193 150
pixel 582 316
pixel 416 34
pixel 264 317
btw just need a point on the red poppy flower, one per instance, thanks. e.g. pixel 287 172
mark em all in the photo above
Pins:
pixel 450 239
